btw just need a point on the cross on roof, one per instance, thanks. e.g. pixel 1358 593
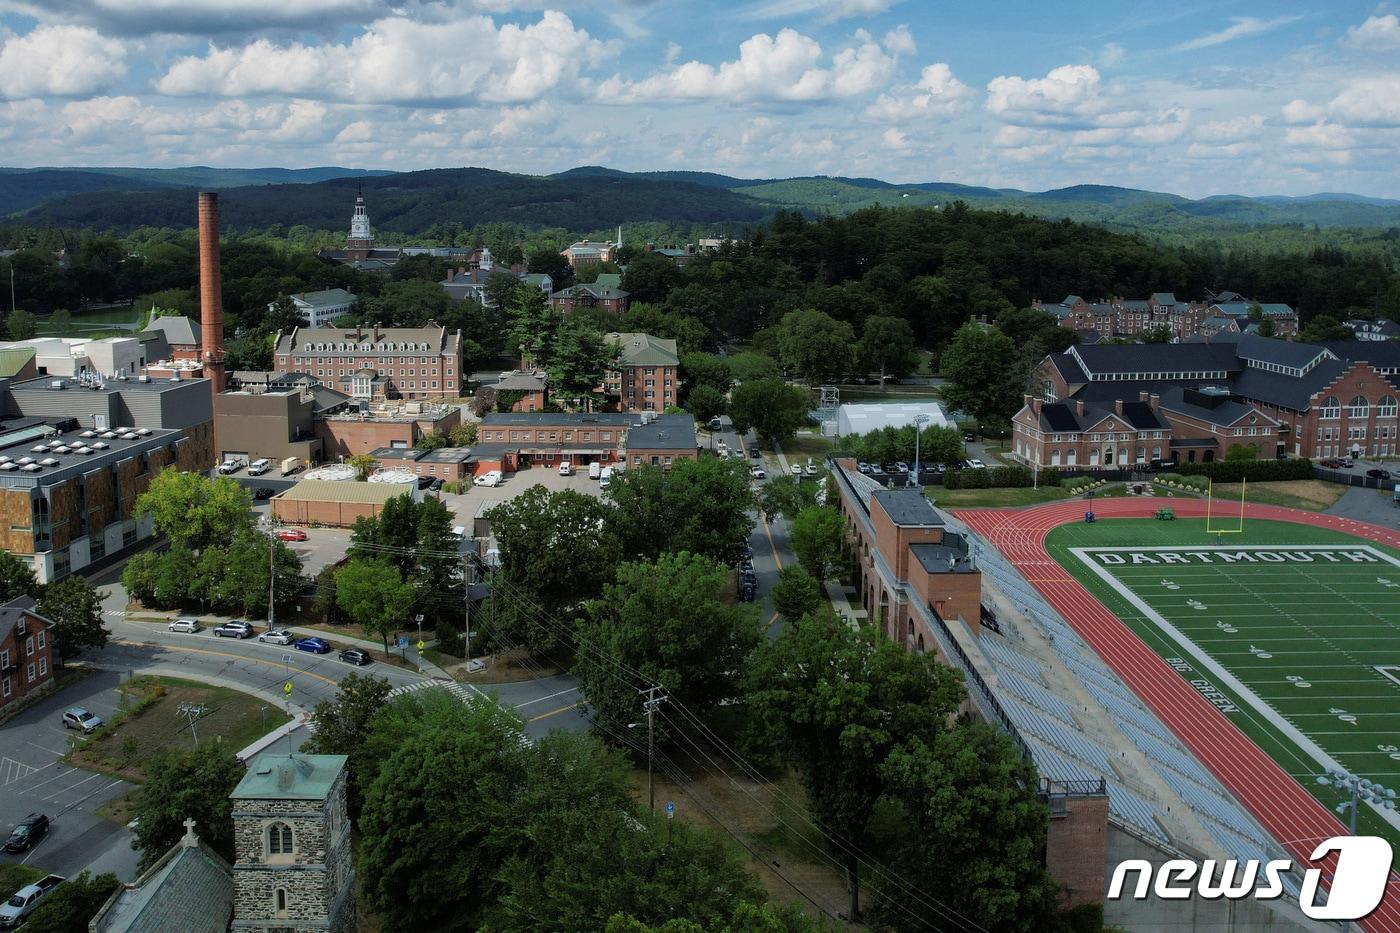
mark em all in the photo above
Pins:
pixel 190 838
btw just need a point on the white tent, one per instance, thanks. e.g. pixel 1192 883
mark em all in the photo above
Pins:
pixel 862 419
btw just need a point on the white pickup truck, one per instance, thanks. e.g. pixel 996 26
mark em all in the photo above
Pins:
pixel 232 465
pixel 26 899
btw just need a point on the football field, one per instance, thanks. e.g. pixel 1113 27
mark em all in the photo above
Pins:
pixel 1293 632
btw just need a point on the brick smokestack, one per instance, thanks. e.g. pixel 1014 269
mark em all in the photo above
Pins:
pixel 211 301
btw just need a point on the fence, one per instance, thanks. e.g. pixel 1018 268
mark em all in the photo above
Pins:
pixel 1352 479
pixel 986 699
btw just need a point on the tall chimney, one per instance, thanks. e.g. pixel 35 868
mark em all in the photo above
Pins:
pixel 211 301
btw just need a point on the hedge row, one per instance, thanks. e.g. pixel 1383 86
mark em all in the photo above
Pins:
pixel 1232 471
pixel 998 477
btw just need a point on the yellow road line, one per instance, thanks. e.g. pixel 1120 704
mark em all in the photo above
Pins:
pixel 224 654
pixel 555 712
pixel 771 546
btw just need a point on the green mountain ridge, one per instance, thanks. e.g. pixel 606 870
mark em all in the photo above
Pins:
pixel 597 197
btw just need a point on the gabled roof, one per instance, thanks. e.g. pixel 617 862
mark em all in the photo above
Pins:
pixel 645 350
pixel 522 382
pixel 13 611
pixel 597 292
pixel 1163 298
pixel 1068 368
pixel 177 330
pixel 190 889
pixel 609 280
pixel 1381 353
pixel 1156 357
pixel 1284 390
pixel 15 359
pixel 1280 352
pixel 1223 411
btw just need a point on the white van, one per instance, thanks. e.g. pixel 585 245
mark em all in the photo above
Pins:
pixel 566 468
pixel 595 470
pixel 606 478
pixel 259 467
pixel 491 478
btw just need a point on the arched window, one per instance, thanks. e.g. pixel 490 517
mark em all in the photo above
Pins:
pixel 1331 407
pixel 1358 407
pixel 279 902
pixel 1385 408
pixel 279 839
pixel 920 643
pixel 911 628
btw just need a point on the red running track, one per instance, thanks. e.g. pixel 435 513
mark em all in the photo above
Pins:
pixel 1286 809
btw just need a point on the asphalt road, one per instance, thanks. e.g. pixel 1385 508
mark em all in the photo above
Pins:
pixel 33 779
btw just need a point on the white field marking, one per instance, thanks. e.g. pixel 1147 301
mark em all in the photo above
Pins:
pixel 11 771
pixel 1324 760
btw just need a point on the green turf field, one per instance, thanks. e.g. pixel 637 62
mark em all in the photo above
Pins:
pixel 1292 631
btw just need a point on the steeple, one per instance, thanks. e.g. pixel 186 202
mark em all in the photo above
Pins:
pixel 360 241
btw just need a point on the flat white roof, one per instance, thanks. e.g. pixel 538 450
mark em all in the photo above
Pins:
pixel 864 418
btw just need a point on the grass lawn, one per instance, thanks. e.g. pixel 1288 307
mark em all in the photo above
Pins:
pixel 15 876
pixel 994 498
pixel 807 445
pixel 1296 628
pixel 1312 495
pixel 152 723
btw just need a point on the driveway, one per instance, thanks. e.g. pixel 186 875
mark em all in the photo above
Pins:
pixel 35 780
pixel 1367 505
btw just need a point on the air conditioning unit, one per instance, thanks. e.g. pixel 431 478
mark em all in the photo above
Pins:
pixel 58 384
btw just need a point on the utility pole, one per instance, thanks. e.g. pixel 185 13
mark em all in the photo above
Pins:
pixel 654 698
pixel 468 572
pixel 271 576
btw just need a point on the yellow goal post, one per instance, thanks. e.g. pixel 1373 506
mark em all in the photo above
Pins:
pixel 1211 515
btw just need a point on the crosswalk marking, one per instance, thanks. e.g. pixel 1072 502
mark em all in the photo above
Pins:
pixel 11 771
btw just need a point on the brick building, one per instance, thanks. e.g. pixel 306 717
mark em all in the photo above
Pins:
pixel 334 503
pixel 26 652
pixel 321 308
pixel 516 440
pixel 350 429
pixel 1129 317
pixel 74 458
pixel 376 363
pixel 591 252
pixel 605 297
pixel 449 464
pixel 648 373
pixel 1280 397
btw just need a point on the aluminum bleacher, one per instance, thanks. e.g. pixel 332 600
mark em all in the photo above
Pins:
pixel 1132 808
pixel 996 647
pixel 1037 696
pixel 1048 729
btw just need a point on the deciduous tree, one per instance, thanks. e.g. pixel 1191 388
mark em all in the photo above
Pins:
pixel 342 724
pixel 887 344
pixel 701 506
pixel 180 785
pixel 796 594
pixel 373 595
pixel 704 403
pixel 16 577
pixel 771 406
pixel 194 511
pixel 579 356
pixel 668 623
pixel 985 373
pixel 75 609
pixel 815 345
pixel 817 536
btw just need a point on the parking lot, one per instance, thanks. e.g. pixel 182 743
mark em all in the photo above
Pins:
pixel 33 779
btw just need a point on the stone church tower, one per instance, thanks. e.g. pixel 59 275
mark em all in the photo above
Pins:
pixel 292 871
pixel 360 241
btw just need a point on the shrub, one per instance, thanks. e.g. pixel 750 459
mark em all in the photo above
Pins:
pixel 1253 470
pixel 999 477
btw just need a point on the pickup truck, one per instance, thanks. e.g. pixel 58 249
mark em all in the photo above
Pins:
pixel 13 911
pixel 232 465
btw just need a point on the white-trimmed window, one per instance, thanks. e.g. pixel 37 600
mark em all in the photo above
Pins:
pixel 1386 408
pixel 1358 407
pixel 29 673
pixel 1331 407
pixel 43 667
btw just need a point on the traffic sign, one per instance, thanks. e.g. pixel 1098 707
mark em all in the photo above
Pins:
pixel 403 641
pixel 421 644
pixel 670 809
pixel 287 688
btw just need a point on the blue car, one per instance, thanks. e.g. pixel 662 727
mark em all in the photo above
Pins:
pixel 312 644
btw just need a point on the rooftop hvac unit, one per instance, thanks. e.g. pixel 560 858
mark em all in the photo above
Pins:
pixel 99 422
pixel 58 384
pixel 143 378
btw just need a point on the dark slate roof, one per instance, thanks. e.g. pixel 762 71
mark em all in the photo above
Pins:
pixel 1158 357
pixel 190 889
pixel 1382 353
pixel 1285 391
pixel 12 612
pixel 907 507
pixel 1164 298
pixel 1282 352
pixel 1064 417
pixel 1058 417
pixel 1225 336
pixel 949 557
pixel 1068 367
pixel 1141 416
pixel 1189 403
pixel 667 432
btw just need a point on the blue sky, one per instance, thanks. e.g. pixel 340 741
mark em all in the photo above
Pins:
pixel 1196 98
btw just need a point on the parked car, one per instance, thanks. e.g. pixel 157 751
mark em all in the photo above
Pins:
pixel 234 629
pixel 259 467
pixel 489 478
pixel 354 656
pixel 27 834
pixel 796 469
pixel 891 469
pixel 605 480
pixel 975 464
pixel 757 473
pixel 1378 473
pixel 746 565
pixel 566 468
pixel 1347 463
pixel 436 484
pixel 969 437
pixel 278 636
pixel 24 901
pixel 753 451
pixel 291 534
pixel 721 446
pixel 264 492
pixel 876 470
pixel 313 644
pixel 811 468
pixel 715 424
pixel 232 465
pixel 747 592
pixel 1330 463
pixel 184 625
pixel 901 466
pixel 79 717
pixel 863 467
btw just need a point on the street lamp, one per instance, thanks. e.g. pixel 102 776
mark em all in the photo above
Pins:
pixel 919 422
pixel 1361 789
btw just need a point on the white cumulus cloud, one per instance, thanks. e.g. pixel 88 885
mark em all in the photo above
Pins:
pixel 937 93
pixel 786 67
pixel 1068 93
pixel 59 61
pixel 1377 34
pixel 398 60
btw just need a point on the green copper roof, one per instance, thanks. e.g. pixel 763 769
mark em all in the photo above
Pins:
pixel 279 777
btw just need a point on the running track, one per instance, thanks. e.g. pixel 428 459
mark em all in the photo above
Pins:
pixel 1288 811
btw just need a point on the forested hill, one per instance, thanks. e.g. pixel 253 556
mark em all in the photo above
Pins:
pixel 597 198
pixel 413 201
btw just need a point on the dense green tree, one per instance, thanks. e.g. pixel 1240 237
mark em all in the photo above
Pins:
pixel 234 578
pixel 887 344
pixel 705 403
pixel 705 369
pixel 650 277
pixel 373 594
pixel 1267 328
pixel 549 262
pixel 751 366
pixel 770 406
pixel 70 907
pixel 579 357
pixel 1160 334
pixel 21 324
pixel 985 373
pixel 557 551
pixel 1324 327
pixel 785 496
pixel 194 511
pixel 324 607
pixel 668 623
pixel 437 817
pixel 433 440
pixel 464 434
pixel 341 725
pixel 532 324
pixel 797 593
pixel 16 577
pixel 834 702
pixel 75 609
pixel 815 346
pixel 818 534
pixel 362 464
pixel 970 832
pixel 186 784
pixel 406 303
pixel 701 506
